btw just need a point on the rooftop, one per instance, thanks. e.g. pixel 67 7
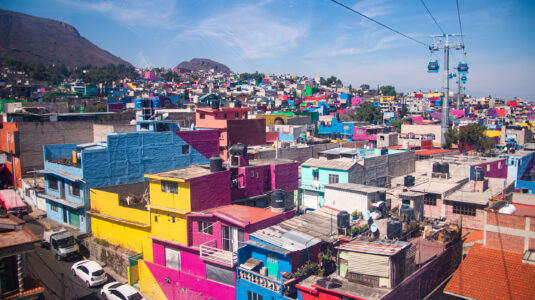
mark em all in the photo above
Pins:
pixel 287 239
pixel 182 174
pixel 431 152
pixel 504 276
pixel 524 210
pixel 356 187
pixel 341 286
pixel 243 213
pixel 380 247
pixel 468 195
pixel 15 237
pixel 336 164
pixel 274 161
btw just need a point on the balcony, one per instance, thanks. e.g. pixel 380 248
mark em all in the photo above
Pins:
pixel 261 280
pixel 315 186
pixel 209 251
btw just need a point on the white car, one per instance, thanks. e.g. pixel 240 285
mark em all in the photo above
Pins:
pixel 118 291
pixel 90 272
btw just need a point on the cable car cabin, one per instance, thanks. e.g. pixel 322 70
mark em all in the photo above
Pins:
pixel 462 68
pixel 463 78
pixel 433 67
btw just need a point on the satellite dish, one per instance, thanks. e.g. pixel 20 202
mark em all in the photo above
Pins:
pixel 367 215
pixel 373 228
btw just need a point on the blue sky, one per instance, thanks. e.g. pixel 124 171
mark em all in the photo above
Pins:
pixel 314 37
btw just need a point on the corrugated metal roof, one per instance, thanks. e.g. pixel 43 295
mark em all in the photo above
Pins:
pixel 286 239
pixel 356 187
pixel 336 164
pixel 382 247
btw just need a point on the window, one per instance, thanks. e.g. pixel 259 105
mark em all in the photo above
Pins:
pixel 252 174
pixel 220 274
pixel 333 178
pixel 360 131
pixel 316 175
pixel 237 115
pixel 75 189
pixel 205 227
pixel 144 126
pixel 202 116
pixel 169 187
pixel 253 296
pixel 54 206
pixel 499 165
pixel 430 199
pixel 488 168
pixel 185 149
pixel 155 219
pixel 53 183
pixel 172 258
pixel 225 116
pixel 464 209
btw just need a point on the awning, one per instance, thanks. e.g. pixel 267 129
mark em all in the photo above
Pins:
pixel 62 201
pixel 61 174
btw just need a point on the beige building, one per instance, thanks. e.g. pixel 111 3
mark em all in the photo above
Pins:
pixel 424 129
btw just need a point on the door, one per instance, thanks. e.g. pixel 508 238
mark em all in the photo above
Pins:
pixel 74 218
pixel 232 238
pixel 64 214
pixel 310 199
pixel 272 264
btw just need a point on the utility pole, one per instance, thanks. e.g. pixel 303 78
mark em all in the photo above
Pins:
pixel 458 91
pixel 442 42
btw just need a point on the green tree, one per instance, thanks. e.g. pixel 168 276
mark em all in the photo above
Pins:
pixel 365 87
pixel 388 90
pixel 48 96
pixel 452 137
pixel 403 111
pixel 474 135
pixel 369 113
pixel 396 124
pixel 332 80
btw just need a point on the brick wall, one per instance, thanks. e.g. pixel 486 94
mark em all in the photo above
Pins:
pixel 508 232
pixel 433 210
pixel 471 222
pixel 505 241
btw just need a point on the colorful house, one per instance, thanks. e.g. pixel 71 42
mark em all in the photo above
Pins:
pixel 71 170
pixel 344 129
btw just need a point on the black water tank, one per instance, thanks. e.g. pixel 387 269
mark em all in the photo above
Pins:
pixel 384 151
pixel 216 164
pixel 214 104
pixel 479 174
pixel 408 180
pixel 393 229
pixel 436 167
pixel 407 213
pixel 445 168
pixel 342 219
pixel 237 103
pixel 278 198
pixel 238 149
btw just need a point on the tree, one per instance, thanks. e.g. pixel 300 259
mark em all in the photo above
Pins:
pixel 452 137
pixel 403 111
pixel 368 112
pixel 388 90
pixel 474 136
pixel 396 124
pixel 332 80
pixel 365 87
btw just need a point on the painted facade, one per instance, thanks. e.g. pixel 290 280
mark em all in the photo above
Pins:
pixel 518 164
pixel 336 127
pixel 71 170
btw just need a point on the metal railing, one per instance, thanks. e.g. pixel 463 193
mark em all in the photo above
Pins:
pixel 209 251
pixel 261 280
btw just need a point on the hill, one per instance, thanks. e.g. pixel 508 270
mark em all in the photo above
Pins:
pixel 36 40
pixel 199 64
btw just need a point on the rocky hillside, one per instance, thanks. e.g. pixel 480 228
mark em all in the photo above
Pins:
pixel 200 64
pixel 32 39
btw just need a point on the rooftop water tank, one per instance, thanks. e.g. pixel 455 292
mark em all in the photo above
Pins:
pixel 238 149
pixel 445 168
pixel 479 174
pixel 139 103
pixel 408 180
pixel 214 104
pixel 507 209
pixel 216 164
pixel 342 219
pixel 436 167
pixel 393 229
pixel 278 198
pixel 384 151
pixel 155 102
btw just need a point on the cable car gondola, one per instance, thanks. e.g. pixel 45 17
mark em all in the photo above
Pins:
pixel 463 78
pixel 433 67
pixel 462 68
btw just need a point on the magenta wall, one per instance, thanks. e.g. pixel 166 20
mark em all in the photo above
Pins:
pixel 364 136
pixel 498 169
pixel 285 177
pixel 253 183
pixel 209 191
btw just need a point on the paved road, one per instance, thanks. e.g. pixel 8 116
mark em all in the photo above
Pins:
pixel 47 270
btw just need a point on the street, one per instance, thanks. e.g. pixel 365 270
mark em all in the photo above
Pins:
pixel 47 271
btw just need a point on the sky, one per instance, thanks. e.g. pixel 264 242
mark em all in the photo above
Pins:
pixel 316 37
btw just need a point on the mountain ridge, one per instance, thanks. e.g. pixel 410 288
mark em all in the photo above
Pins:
pixel 199 64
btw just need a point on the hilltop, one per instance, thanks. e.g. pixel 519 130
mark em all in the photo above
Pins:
pixel 34 40
pixel 204 64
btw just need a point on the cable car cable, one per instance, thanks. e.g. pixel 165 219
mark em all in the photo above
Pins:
pixel 460 25
pixel 379 23
pixel 431 15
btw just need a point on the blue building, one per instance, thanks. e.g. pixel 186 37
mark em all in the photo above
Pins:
pixel 71 170
pixel 345 129
pixel 518 164
pixel 269 260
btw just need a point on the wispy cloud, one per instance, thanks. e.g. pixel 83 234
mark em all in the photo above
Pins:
pixel 373 8
pixel 389 42
pixel 132 13
pixel 251 31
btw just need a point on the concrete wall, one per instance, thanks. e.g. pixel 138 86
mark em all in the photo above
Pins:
pixel 100 131
pixel 109 256
pixel 509 232
pixel 424 129
pixel 300 154
pixel 348 200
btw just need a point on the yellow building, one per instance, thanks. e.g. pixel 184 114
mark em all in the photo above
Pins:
pixel 119 216
pixel 175 193
pixel 275 119
pixel 387 98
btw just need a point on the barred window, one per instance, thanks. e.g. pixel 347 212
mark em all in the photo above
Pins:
pixel 53 183
pixel 205 227
pixel 169 187
pixel 464 209
pixel 431 199
pixel 333 178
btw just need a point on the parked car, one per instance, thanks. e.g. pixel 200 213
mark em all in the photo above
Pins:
pixel 118 291
pixel 90 272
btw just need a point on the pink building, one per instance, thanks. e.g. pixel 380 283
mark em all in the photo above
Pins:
pixel 368 132
pixel 207 263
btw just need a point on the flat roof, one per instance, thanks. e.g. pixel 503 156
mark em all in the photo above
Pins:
pixel 467 195
pixel 244 213
pixel 380 247
pixel 356 187
pixel 274 161
pixel 430 152
pixel 343 287
pixel 182 174
pixel 524 210
pixel 17 238
pixel 336 164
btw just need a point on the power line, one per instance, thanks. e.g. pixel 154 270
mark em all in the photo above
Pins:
pixel 431 15
pixel 379 23
pixel 460 25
